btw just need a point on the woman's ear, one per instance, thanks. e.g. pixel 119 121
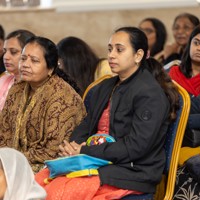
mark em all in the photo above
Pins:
pixel 139 55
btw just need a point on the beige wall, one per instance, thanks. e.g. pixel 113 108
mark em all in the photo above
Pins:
pixel 93 27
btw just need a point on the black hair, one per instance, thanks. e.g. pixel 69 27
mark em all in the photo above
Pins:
pixel 2 33
pixel 161 35
pixel 78 60
pixel 22 36
pixel 186 65
pixel 51 58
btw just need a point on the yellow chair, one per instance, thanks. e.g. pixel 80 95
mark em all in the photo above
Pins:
pixel 103 68
pixel 165 189
pixel 182 122
pixel 88 92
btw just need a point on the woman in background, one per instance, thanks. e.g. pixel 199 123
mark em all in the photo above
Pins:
pixel 42 110
pixel 13 46
pixel 77 59
pixel 156 33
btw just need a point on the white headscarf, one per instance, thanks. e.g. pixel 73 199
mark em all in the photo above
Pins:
pixel 21 184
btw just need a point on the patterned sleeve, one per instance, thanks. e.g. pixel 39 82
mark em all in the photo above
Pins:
pixel 9 114
pixel 63 114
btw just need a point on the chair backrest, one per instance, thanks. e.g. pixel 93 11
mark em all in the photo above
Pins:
pixel 168 66
pixel 174 141
pixel 88 92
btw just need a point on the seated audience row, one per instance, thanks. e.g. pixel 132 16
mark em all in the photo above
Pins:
pixel 155 30
pixel 125 115
pixel 41 104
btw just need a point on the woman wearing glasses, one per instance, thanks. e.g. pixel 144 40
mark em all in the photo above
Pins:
pixel 156 34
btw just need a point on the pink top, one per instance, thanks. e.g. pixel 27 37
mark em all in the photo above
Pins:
pixel 104 121
pixel 6 81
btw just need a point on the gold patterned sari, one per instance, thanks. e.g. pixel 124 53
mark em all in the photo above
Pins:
pixel 38 125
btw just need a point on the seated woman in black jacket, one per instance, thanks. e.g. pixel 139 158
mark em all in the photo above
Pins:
pixel 135 109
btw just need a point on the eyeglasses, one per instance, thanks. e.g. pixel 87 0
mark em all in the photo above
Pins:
pixel 147 31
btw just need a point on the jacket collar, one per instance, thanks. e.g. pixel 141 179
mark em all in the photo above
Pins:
pixel 130 78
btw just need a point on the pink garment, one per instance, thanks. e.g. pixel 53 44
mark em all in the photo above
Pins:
pixel 104 121
pixel 6 81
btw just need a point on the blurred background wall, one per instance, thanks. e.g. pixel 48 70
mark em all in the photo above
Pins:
pixel 95 27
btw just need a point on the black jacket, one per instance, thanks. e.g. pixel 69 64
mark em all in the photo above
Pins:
pixel 138 121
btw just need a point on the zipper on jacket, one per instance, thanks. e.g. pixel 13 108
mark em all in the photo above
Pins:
pixel 131 164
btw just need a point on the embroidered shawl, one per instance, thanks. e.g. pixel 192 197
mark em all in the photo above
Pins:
pixel 36 127
pixel 192 85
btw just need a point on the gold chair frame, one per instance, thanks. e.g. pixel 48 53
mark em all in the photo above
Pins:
pixel 171 178
pixel 95 83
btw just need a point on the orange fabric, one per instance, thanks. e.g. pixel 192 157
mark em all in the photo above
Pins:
pixel 62 188
pixel 104 121
pixel 87 188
